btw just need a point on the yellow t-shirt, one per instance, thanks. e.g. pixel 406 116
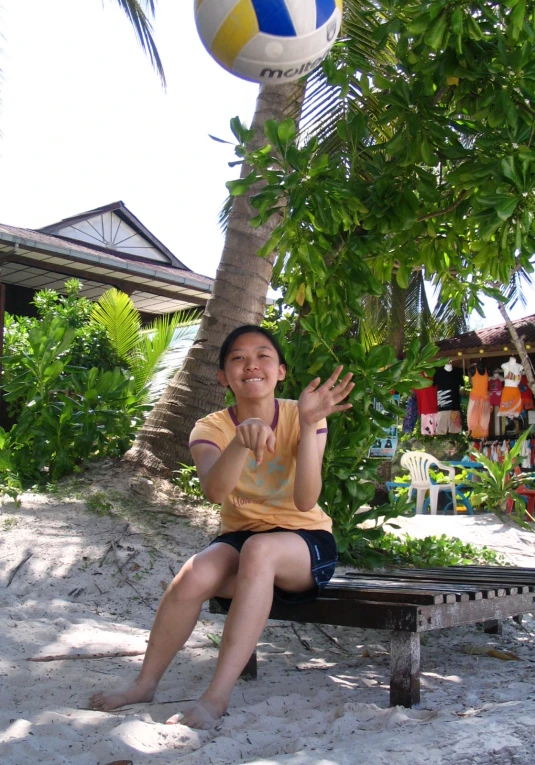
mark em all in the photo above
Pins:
pixel 263 496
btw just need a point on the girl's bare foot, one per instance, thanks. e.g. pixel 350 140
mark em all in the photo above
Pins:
pixel 203 715
pixel 131 694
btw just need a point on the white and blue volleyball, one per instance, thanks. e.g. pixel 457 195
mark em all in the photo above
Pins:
pixel 274 41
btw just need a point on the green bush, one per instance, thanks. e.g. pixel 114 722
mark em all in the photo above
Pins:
pixel 187 481
pixel 432 552
pixel 496 485
pixel 76 382
pixel 67 413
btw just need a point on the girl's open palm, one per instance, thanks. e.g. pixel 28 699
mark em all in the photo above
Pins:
pixel 318 401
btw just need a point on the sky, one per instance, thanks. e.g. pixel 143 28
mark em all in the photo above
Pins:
pixel 84 121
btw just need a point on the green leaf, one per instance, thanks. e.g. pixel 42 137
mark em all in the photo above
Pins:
pixel 435 33
pixel 286 131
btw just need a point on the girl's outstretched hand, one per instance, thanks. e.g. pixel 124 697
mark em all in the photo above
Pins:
pixel 318 401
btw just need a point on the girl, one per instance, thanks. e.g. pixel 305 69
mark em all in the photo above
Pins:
pixel 261 459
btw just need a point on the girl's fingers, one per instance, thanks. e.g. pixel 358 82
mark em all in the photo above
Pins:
pixel 261 443
pixel 270 443
pixel 313 384
pixel 334 376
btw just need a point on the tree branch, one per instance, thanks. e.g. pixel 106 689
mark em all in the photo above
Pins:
pixel 446 210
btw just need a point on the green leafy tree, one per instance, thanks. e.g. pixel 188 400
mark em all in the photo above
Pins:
pixel 427 119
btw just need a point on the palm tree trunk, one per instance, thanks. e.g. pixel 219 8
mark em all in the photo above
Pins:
pixel 519 345
pixel 397 317
pixel 238 297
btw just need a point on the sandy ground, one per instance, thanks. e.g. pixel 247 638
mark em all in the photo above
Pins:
pixel 102 551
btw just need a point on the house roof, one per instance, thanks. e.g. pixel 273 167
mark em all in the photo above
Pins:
pixel 114 250
pixel 110 236
pixel 493 341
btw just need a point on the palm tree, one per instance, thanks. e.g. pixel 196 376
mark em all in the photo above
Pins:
pixel 238 297
pixel 242 279
pixel 403 313
pixel 139 13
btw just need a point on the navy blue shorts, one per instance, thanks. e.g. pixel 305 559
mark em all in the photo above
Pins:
pixel 323 558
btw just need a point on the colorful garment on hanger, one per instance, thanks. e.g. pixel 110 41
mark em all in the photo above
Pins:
pixel 411 415
pixel 525 394
pixel 449 389
pixel 496 450
pixel 427 398
pixel 495 390
pixel 448 422
pixel 478 416
pixel 428 425
pixel 511 402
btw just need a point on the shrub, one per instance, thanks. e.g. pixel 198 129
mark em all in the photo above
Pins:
pixel 76 382
pixel 432 552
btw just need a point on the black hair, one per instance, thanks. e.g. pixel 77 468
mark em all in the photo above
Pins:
pixel 247 329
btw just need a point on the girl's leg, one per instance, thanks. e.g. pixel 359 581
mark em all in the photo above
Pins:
pixel 210 572
pixel 281 559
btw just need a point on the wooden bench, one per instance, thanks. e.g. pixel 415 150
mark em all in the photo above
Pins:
pixel 408 602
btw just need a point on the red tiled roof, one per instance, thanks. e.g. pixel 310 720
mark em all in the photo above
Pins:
pixel 489 339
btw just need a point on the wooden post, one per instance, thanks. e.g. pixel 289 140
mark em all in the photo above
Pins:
pixel 404 669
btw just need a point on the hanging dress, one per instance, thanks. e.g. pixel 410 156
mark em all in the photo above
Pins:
pixel 525 394
pixel 511 401
pixel 478 416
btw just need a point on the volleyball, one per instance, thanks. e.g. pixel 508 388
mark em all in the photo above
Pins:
pixel 268 41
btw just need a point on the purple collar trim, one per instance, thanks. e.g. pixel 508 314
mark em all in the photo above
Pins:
pixel 235 420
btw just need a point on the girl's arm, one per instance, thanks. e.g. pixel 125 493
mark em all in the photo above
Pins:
pixel 219 472
pixel 315 403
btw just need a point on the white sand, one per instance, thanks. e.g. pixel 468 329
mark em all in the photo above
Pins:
pixel 323 706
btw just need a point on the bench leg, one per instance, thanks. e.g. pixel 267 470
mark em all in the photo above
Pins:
pixel 493 626
pixel 249 672
pixel 404 669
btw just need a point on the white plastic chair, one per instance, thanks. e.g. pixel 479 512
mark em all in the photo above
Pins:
pixel 418 464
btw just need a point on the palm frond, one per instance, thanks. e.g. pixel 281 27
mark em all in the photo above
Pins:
pixel 139 18
pixel 514 291
pixel 355 57
pixel 446 321
pixel 418 314
pixel 120 318
pixel 149 357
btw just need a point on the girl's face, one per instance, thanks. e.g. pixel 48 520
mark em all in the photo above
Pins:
pixel 252 368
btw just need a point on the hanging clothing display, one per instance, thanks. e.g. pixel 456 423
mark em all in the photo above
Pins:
pixel 411 415
pixel 428 425
pixel 511 401
pixel 497 449
pixel 525 394
pixel 495 388
pixel 448 381
pixel 427 407
pixel 478 416
pixel 448 422
pixel 427 398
